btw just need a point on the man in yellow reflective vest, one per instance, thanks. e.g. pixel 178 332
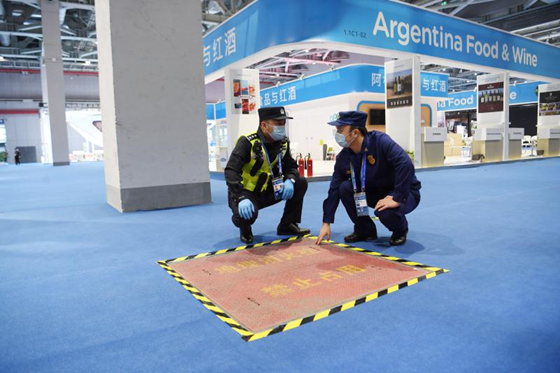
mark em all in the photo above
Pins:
pixel 261 172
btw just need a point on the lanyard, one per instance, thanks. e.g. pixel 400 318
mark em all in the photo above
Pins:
pixel 270 165
pixel 363 175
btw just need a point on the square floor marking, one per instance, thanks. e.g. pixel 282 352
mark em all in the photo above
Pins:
pixel 272 287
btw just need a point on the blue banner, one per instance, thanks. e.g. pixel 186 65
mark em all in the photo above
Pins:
pixel 348 79
pixel 209 111
pixel 379 24
pixel 355 78
pixel 433 85
pixel 458 101
pixel 220 111
pixel 525 93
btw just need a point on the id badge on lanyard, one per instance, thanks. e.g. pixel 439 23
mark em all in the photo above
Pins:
pixel 277 182
pixel 360 199
pixel 277 185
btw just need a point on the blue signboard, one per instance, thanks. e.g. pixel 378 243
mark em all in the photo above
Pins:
pixel 458 101
pixel 357 78
pixel 433 85
pixel 209 111
pixel 220 111
pixel 348 79
pixel 524 93
pixel 518 94
pixel 389 25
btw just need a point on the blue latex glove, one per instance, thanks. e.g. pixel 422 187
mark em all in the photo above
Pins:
pixel 287 190
pixel 246 209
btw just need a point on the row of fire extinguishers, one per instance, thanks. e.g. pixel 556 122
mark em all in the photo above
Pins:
pixel 305 163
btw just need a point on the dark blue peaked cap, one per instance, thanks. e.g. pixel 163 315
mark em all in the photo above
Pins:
pixel 352 118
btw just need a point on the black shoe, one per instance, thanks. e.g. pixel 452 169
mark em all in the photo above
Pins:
pixel 291 230
pixel 355 237
pixel 246 234
pixel 398 238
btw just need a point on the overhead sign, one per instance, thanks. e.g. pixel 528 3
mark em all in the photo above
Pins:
pixel 458 101
pixel 390 25
pixel 347 79
pixel 524 93
pixel 434 85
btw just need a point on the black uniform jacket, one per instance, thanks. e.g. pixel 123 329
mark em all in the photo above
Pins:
pixel 241 155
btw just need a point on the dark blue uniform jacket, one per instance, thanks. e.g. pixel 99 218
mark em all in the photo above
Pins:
pixel 389 171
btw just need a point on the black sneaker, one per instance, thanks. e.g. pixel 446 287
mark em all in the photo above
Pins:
pixel 398 238
pixel 355 237
pixel 291 230
pixel 246 234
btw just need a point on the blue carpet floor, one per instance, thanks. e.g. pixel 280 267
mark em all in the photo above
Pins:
pixel 80 290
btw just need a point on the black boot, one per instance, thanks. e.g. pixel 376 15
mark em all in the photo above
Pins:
pixel 355 237
pixel 246 234
pixel 398 238
pixel 291 230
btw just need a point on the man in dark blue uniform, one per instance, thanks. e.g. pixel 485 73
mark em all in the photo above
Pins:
pixel 372 170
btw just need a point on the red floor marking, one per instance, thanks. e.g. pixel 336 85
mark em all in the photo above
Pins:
pixel 271 285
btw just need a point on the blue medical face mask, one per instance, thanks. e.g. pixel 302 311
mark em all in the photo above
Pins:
pixel 340 139
pixel 278 132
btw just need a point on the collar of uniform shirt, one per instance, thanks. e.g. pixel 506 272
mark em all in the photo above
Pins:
pixel 365 144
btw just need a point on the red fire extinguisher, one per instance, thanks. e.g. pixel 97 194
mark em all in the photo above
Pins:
pixel 301 165
pixel 309 165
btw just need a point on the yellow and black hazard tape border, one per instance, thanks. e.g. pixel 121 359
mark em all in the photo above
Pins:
pixel 249 336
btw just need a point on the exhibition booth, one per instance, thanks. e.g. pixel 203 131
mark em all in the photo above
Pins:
pixel 459 113
pixel 403 99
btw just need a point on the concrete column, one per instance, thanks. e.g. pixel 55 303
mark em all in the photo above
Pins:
pixel 153 103
pixel 55 137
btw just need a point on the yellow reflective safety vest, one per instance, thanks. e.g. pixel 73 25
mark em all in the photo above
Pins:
pixel 256 174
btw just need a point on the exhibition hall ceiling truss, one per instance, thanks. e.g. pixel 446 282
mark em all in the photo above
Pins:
pixel 21 34
pixel 297 64
pixel 21 31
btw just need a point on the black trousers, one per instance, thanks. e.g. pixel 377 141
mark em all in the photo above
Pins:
pixel 393 219
pixel 292 210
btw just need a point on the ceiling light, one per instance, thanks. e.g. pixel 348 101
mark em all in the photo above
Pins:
pixel 277 75
pixel 88 62
pixel 2 58
pixel 314 63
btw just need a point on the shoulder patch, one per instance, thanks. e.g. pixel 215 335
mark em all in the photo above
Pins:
pixel 252 136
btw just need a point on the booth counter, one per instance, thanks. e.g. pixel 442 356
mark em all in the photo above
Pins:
pixel 515 139
pixel 433 139
pixel 549 141
pixel 488 141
